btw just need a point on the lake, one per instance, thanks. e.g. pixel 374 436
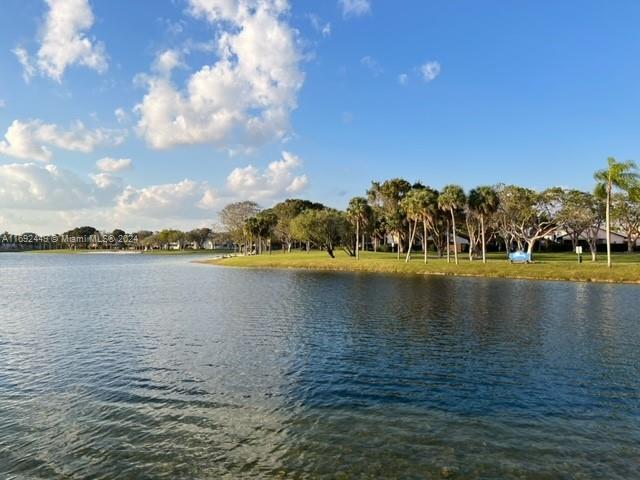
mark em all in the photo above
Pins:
pixel 136 367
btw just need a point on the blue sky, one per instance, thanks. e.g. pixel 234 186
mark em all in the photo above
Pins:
pixel 316 99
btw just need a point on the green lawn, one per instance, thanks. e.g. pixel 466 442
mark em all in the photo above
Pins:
pixel 547 266
pixel 68 251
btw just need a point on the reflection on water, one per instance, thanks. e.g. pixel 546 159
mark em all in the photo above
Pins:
pixel 147 367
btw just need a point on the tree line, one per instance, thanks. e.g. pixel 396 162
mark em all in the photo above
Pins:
pixel 396 215
pixel 88 237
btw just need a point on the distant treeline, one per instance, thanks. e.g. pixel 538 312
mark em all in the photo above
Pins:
pixel 397 215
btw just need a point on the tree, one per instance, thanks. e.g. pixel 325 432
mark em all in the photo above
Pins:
pixel 617 176
pixel 385 198
pixel 326 228
pixel 625 211
pixel 527 216
pixel 267 221
pixel 198 236
pixel 451 200
pixel 286 211
pixel 359 214
pixel 576 214
pixel 420 205
pixel 483 201
pixel 234 216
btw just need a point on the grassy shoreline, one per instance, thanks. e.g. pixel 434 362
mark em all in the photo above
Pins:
pixel 552 266
pixel 67 251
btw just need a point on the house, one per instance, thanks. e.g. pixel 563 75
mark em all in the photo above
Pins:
pixel 617 238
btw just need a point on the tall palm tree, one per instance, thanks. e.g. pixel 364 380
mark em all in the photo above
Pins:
pixel 484 201
pixel 422 205
pixel 411 204
pixel 359 213
pixel 617 175
pixel 452 198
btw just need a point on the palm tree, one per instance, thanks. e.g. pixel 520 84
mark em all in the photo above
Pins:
pixel 359 213
pixel 451 199
pixel 617 175
pixel 483 201
pixel 421 205
pixel 411 204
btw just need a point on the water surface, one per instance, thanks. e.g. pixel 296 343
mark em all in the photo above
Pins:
pixel 136 367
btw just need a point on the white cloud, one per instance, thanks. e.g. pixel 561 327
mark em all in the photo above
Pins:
pixel 167 61
pixel 430 71
pixel 403 79
pixel 32 139
pixel 278 179
pixel 319 26
pixel 2 103
pixel 244 98
pixel 355 8
pixel 372 64
pixel 48 187
pixel 182 199
pixel 347 117
pixel 121 115
pixel 107 181
pixel 28 68
pixel 64 42
pixel 113 165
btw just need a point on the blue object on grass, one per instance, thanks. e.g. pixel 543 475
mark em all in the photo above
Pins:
pixel 519 257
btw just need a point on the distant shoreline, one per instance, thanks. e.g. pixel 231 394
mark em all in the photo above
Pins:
pixel 549 267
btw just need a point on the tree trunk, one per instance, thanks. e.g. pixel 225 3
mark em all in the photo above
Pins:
pixel 411 238
pixel 330 251
pixel 448 243
pixel 530 245
pixel 426 243
pixel 484 244
pixel 455 241
pixel 608 221
pixel 357 239
pixel 630 243
pixel 593 250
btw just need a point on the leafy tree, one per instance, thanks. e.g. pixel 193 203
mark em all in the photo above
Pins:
pixel 359 214
pixel 625 211
pixel 576 214
pixel 617 176
pixel 286 211
pixel 198 236
pixel 527 216
pixel 385 198
pixel 266 222
pixel 451 200
pixel 326 228
pixel 483 202
pixel 234 216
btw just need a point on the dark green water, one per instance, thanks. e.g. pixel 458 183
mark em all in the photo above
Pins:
pixel 141 367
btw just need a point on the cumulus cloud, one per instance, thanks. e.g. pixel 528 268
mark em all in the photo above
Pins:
pixel 245 97
pixel 430 71
pixel 48 187
pixel 403 79
pixel 167 61
pixel 278 179
pixel 64 42
pixel 113 165
pixel 355 8
pixel 32 139
pixel 184 198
